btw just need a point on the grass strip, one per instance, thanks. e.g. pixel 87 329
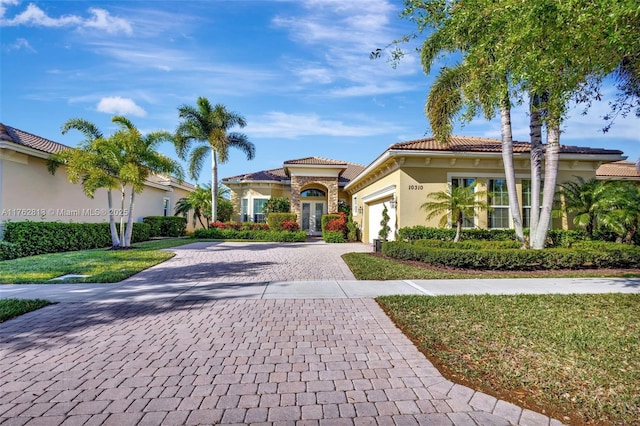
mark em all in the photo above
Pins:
pixel 11 308
pixel 101 265
pixel 368 266
pixel 573 357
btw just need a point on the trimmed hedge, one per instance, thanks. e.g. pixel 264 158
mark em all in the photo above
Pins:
pixel 555 237
pixel 333 237
pixel 234 234
pixel 241 226
pixel 31 238
pixel 276 219
pixel 622 256
pixel 166 226
pixel 469 244
pixel 334 227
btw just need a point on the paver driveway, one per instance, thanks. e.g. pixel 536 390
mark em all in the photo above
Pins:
pixel 330 361
pixel 212 262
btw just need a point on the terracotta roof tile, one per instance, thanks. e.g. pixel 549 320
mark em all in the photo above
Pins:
pixel 625 169
pixel 11 134
pixel 476 144
pixel 351 171
pixel 316 161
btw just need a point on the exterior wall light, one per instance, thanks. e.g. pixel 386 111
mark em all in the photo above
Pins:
pixel 360 210
pixel 393 203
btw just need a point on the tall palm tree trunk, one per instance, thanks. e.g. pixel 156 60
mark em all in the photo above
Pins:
pixel 214 186
pixel 115 241
pixel 552 157
pixel 129 232
pixel 535 134
pixel 509 169
pixel 122 196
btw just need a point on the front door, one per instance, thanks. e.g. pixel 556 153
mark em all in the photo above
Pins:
pixel 312 212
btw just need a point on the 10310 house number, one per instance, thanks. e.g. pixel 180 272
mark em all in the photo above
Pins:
pixel 416 187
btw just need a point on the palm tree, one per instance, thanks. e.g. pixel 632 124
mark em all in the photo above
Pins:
pixel 587 199
pixel 88 164
pixel 137 157
pixel 456 202
pixel 623 215
pixel 208 126
pixel 199 200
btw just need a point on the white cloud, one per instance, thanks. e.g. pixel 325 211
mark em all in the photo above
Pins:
pixel 291 126
pixel 34 16
pixel 119 105
pixel 21 44
pixel 102 20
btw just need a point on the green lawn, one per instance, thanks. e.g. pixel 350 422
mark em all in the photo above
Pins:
pixel 574 357
pixel 11 308
pixel 102 265
pixel 367 266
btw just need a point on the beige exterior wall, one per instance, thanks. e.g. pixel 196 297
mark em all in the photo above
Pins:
pixel 252 191
pixel 412 179
pixel 29 192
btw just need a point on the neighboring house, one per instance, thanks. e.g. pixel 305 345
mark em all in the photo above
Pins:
pixel 401 179
pixel 620 170
pixel 29 192
pixel 313 185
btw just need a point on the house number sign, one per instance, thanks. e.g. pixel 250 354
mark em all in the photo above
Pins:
pixel 416 187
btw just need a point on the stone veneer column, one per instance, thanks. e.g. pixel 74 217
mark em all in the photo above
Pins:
pixel 298 182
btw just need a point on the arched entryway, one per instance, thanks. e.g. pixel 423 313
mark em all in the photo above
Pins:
pixel 313 204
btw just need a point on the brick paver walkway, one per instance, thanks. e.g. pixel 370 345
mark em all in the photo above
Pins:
pixel 330 361
pixel 212 262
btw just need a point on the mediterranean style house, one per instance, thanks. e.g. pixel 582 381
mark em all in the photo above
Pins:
pixel 401 179
pixel 29 192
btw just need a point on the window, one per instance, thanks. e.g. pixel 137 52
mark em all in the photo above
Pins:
pixel 258 209
pixel 313 193
pixel 467 222
pixel 499 201
pixel 245 210
pixel 166 207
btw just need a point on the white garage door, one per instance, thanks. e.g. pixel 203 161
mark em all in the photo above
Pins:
pixel 375 217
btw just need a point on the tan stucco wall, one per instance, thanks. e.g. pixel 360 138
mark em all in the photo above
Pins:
pixel 30 192
pixel 253 191
pixel 416 177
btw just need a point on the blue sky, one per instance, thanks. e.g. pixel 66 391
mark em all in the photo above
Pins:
pixel 298 71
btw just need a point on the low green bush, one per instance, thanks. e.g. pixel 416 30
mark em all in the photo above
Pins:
pixel 469 244
pixel 258 235
pixel 419 232
pixel 31 238
pixel 333 237
pixel 275 220
pixel 166 226
pixel 516 259
pixel 353 233
pixel 8 251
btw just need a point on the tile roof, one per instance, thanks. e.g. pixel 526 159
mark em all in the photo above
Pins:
pixel 623 169
pixel 316 161
pixel 20 137
pixel 476 144
pixel 350 171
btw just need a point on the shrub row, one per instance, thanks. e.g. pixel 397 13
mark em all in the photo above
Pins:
pixel 241 226
pixel 31 238
pixel 555 237
pixel 276 220
pixel 258 235
pixel 166 226
pixel 469 244
pixel 620 256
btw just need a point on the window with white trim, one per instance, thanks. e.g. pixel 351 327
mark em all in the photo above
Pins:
pixel 244 206
pixel 258 209
pixel 499 202
pixel 467 222
pixel 526 201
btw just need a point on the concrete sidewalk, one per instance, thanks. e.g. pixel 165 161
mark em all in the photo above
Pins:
pixel 132 291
